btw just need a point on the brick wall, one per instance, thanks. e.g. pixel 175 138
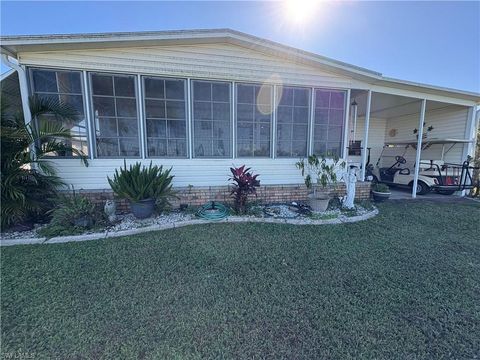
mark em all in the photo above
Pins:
pixel 200 195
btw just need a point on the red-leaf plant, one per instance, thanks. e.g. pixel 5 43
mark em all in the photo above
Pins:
pixel 244 184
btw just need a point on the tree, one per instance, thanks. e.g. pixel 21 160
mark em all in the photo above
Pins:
pixel 29 182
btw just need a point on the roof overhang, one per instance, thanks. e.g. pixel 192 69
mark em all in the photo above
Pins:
pixel 433 141
pixel 12 45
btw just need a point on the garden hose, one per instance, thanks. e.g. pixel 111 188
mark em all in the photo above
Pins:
pixel 213 211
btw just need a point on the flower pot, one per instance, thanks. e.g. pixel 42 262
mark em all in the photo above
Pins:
pixel 318 202
pixel 380 196
pixel 143 209
pixel 85 221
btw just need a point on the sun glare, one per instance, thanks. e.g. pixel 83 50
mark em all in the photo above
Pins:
pixel 300 11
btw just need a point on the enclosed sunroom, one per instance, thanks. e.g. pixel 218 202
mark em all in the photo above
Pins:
pixel 202 101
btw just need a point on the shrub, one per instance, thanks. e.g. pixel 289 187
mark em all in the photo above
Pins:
pixel 29 180
pixel 379 187
pixel 69 210
pixel 139 182
pixel 244 184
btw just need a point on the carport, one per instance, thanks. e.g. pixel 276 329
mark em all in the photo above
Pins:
pixel 378 118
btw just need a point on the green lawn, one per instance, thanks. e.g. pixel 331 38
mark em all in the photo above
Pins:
pixel 403 285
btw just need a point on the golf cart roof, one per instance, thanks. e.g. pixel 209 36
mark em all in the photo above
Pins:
pixel 429 141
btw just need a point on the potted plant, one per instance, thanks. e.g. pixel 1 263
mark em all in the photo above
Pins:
pixel 381 192
pixel 324 170
pixel 142 187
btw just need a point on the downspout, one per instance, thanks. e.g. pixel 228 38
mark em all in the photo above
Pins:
pixel 22 80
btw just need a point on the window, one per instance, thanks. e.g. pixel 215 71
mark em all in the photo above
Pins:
pixel 329 120
pixel 293 113
pixel 64 87
pixel 211 119
pixel 253 119
pixel 166 118
pixel 114 102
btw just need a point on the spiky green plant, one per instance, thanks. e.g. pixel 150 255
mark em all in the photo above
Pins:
pixel 28 179
pixel 139 182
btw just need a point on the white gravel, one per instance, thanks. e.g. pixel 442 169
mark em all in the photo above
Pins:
pixel 280 212
pixel 29 234
pixel 129 221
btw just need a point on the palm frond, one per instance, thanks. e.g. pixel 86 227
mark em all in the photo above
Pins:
pixel 52 106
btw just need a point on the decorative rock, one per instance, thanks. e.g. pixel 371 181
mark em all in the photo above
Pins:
pixel 129 225
pixel 111 211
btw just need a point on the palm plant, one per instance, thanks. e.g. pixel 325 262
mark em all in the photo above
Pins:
pixel 137 183
pixel 28 179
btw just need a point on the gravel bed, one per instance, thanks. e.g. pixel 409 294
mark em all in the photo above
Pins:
pixel 125 222
pixel 280 211
pixel 129 221
pixel 29 234
pixel 276 211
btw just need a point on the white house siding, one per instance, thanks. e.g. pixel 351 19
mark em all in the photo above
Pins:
pixel 209 61
pixel 197 172
pixel 448 122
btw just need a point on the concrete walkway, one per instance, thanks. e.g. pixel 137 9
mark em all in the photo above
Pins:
pixel 406 194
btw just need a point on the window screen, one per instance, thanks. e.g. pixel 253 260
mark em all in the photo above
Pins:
pixel 114 102
pixel 63 87
pixel 329 122
pixel 211 119
pixel 165 117
pixel 293 113
pixel 253 120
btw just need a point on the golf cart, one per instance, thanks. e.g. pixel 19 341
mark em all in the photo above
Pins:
pixel 438 175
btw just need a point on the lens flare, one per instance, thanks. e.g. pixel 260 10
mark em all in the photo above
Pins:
pixel 300 11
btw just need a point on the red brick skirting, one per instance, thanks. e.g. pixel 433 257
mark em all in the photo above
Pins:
pixel 200 195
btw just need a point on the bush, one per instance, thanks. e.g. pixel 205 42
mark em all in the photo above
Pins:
pixel 138 182
pixel 29 180
pixel 66 216
pixel 244 184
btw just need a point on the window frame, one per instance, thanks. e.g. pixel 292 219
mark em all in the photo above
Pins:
pixel 32 92
pixel 92 110
pixel 85 77
pixel 341 153
pixel 187 115
pixel 310 106
pixel 272 119
pixel 231 115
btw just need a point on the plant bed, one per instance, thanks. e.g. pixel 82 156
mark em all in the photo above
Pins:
pixel 129 224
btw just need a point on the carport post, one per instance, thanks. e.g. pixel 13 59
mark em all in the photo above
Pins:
pixel 365 136
pixel 419 148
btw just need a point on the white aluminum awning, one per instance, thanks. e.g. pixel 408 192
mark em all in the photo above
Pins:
pixel 427 142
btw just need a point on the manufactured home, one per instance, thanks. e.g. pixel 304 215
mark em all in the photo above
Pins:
pixel 201 101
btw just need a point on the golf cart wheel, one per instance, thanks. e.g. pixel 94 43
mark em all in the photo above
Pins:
pixel 422 188
pixel 445 192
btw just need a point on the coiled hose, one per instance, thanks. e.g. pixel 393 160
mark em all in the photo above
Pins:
pixel 213 211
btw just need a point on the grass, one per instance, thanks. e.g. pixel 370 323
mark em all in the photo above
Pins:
pixel 403 285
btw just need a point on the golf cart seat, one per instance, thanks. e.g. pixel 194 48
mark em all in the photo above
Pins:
pixel 392 172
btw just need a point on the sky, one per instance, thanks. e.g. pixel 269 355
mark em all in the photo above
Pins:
pixel 431 42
